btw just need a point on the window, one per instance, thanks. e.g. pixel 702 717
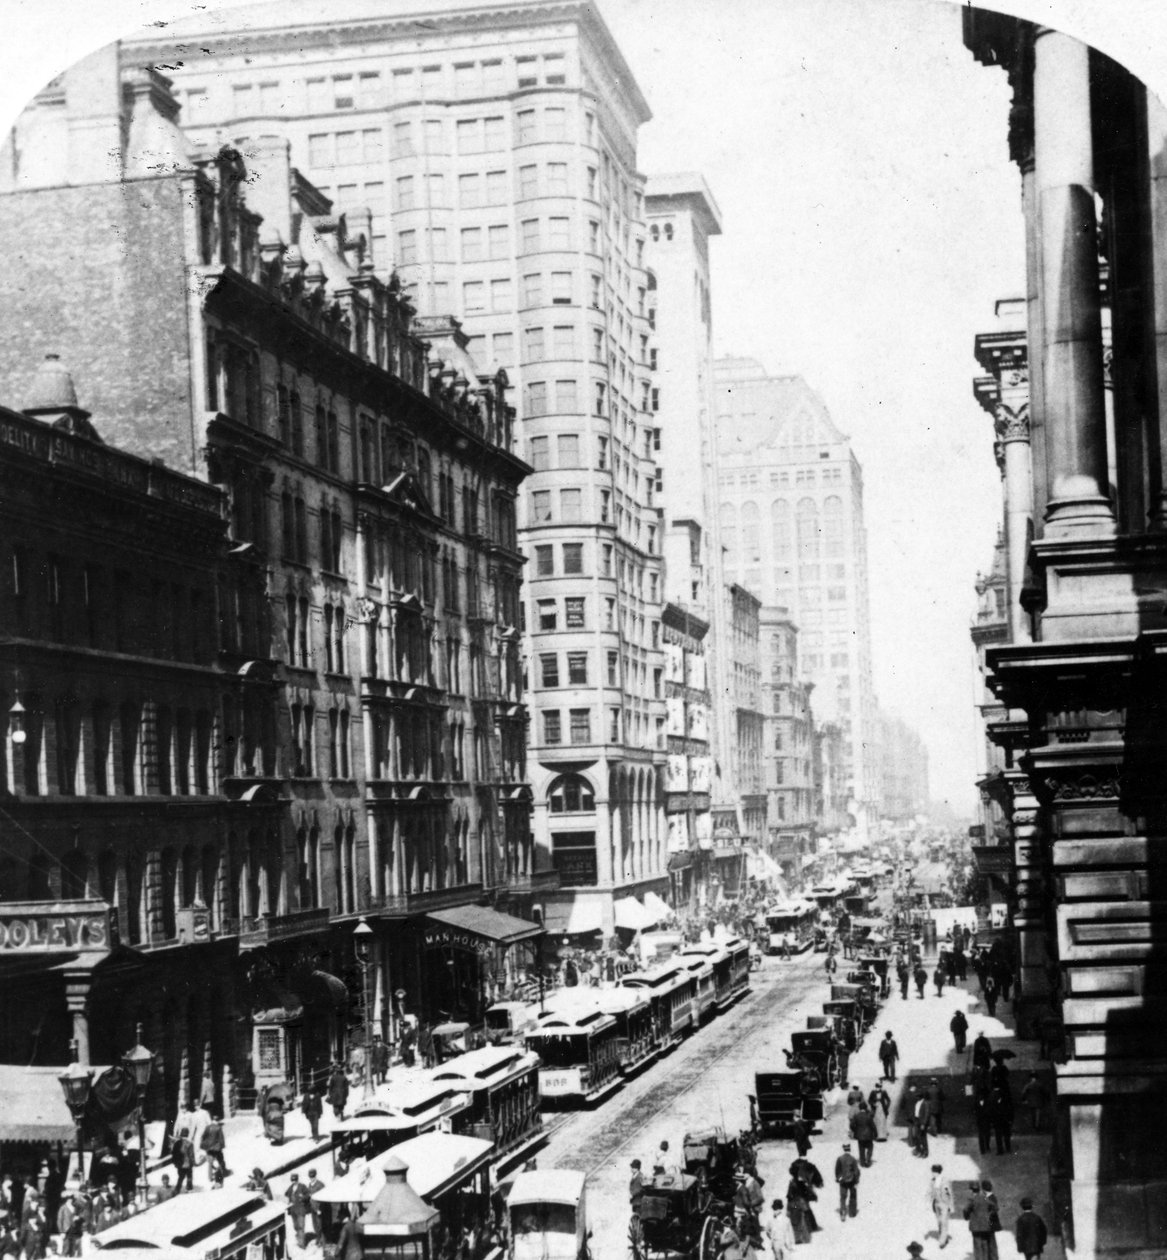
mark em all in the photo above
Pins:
pixel 557 178
pixel 561 288
pixel 606 560
pixel 540 453
pixel 504 349
pixel 469 191
pixel 494 135
pixel 593 236
pixel 571 506
pixel 552 731
pixel 548 614
pixel 471 244
pixel 598 401
pixel 591 181
pixel 605 506
pixel 407 247
pixel 533 289
pixel 533 344
pixel 498 239
pixel 541 506
pixel 573 612
pixel 537 398
pixel 348 148
pixel 526 124
pixel 496 188
pixel 549 669
pixel 595 293
pixel 555 124
pixel 473 296
pixel 500 295
pixel 439 250
pixel 403 139
pixel 565 396
pixel 581 726
pixel 529 235
pixel 613 669
pixel 559 232
pixel 571 794
pixel 468 135
pixel 320 150
pixel 544 561
pixel 569 450
pixel 577 669
pixel 573 558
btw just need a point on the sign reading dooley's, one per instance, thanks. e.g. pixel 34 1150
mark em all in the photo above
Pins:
pixel 54 927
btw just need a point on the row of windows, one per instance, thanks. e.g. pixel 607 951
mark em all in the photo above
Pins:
pixel 566 506
pixel 782 477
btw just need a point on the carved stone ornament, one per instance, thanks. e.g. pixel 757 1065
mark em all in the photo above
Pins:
pixel 1083 786
pixel 1010 425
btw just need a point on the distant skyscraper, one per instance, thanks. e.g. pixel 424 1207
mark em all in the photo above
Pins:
pixel 491 149
pixel 791 518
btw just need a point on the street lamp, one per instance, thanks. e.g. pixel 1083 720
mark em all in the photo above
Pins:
pixel 76 1082
pixel 362 943
pixel 16 721
pixel 139 1062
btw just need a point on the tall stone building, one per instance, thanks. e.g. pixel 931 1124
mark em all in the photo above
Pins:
pixel 793 529
pixel 788 742
pixel 1083 672
pixel 372 742
pixel 494 150
pixel 745 663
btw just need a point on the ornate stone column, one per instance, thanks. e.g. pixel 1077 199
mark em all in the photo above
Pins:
pixel 1074 418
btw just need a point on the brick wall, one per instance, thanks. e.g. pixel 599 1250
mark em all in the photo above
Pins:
pixel 96 274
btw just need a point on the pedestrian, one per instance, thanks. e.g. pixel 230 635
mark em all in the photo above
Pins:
pixel 847 1178
pixel 958 1026
pixel 915 1250
pixel 991 994
pixel 337 1091
pixel 994 1207
pixel 665 1159
pixel 979 1215
pixel 1004 978
pixel 314 1186
pixel 1030 1231
pixel 380 1059
pixel 785 946
pixel 1034 1096
pixel 935 1095
pixel 831 965
pixel 257 1184
pixel 164 1191
pixel 351 1243
pixel 182 1156
pixel 879 1102
pixel 922 1113
pixel 982 1055
pixel 889 1054
pixel 903 975
pixel 855 1100
pixel 312 1107
pixel 802 1192
pixel 983 1115
pixel 940 1199
pixel 863 1131
pixel 938 978
pixel 800 1132
pixel 271 1107
pixel 408 1043
pixel 298 1204
pixel 781 1232
pixel 921 978
pixel 71 1223
pixel 1001 1116
pixel 214 1144
pixel 636 1185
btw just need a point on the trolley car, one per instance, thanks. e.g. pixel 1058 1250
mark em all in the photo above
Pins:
pixel 670 991
pixel 502 1083
pixel 580 1056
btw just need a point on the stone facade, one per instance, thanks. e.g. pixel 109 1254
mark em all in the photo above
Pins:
pixel 1083 672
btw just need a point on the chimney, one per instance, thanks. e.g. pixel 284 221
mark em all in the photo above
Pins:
pixel 155 144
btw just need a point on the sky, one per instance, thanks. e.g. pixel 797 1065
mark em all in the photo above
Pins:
pixel 871 220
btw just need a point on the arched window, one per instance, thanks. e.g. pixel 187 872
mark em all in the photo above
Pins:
pixel 833 525
pixel 780 529
pixel 571 794
pixel 729 530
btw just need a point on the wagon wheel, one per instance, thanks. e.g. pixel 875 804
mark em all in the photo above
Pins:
pixel 636 1242
pixel 707 1243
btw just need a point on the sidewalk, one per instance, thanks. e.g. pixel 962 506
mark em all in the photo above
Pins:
pixel 893 1204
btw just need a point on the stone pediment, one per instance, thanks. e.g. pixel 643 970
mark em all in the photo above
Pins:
pixel 406 491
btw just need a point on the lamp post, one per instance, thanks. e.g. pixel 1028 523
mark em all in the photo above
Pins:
pixel 76 1082
pixel 362 943
pixel 139 1062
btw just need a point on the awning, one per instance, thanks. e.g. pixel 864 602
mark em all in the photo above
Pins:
pixel 487 924
pixel 324 987
pixel 32 1106
pixel 632 916
pixel 584 917
pixel 680 861
pixel 658 906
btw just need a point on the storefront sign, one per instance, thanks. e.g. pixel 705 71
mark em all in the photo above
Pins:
pixel 436 938
pixel 49 929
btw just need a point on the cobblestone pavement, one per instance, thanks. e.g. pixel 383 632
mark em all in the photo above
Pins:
pixel 707 1081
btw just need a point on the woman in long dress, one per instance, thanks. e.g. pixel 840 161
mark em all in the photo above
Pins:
pixel 879 1103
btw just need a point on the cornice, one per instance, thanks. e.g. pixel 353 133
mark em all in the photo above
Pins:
pixel 335 35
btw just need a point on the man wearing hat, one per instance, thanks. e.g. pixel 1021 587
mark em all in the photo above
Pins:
pixel 1030 1231
pixel 298 1205
pixel 636 1185
pixel 915 1250
pixel 315 1185
pixel 847 1178
pixel 940 1200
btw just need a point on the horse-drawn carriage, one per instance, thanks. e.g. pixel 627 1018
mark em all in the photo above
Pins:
pixel 712 1158
pixel 864 998
pixel 879 964
pixel 780 1098
pixel 676 1216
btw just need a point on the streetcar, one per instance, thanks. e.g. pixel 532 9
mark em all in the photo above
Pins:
pixel 701 967
pixel 502 1083
pixel 793 920
pixel 632 1011
pixel 738 973
pixel 506 1022
pixel 546 1216
pixel 580 1056
pixel 670 990
pixel 398 1111
pixel 227 1225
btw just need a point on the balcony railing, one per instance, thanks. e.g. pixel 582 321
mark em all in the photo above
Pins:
pixel 260 929
pixel 423 902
